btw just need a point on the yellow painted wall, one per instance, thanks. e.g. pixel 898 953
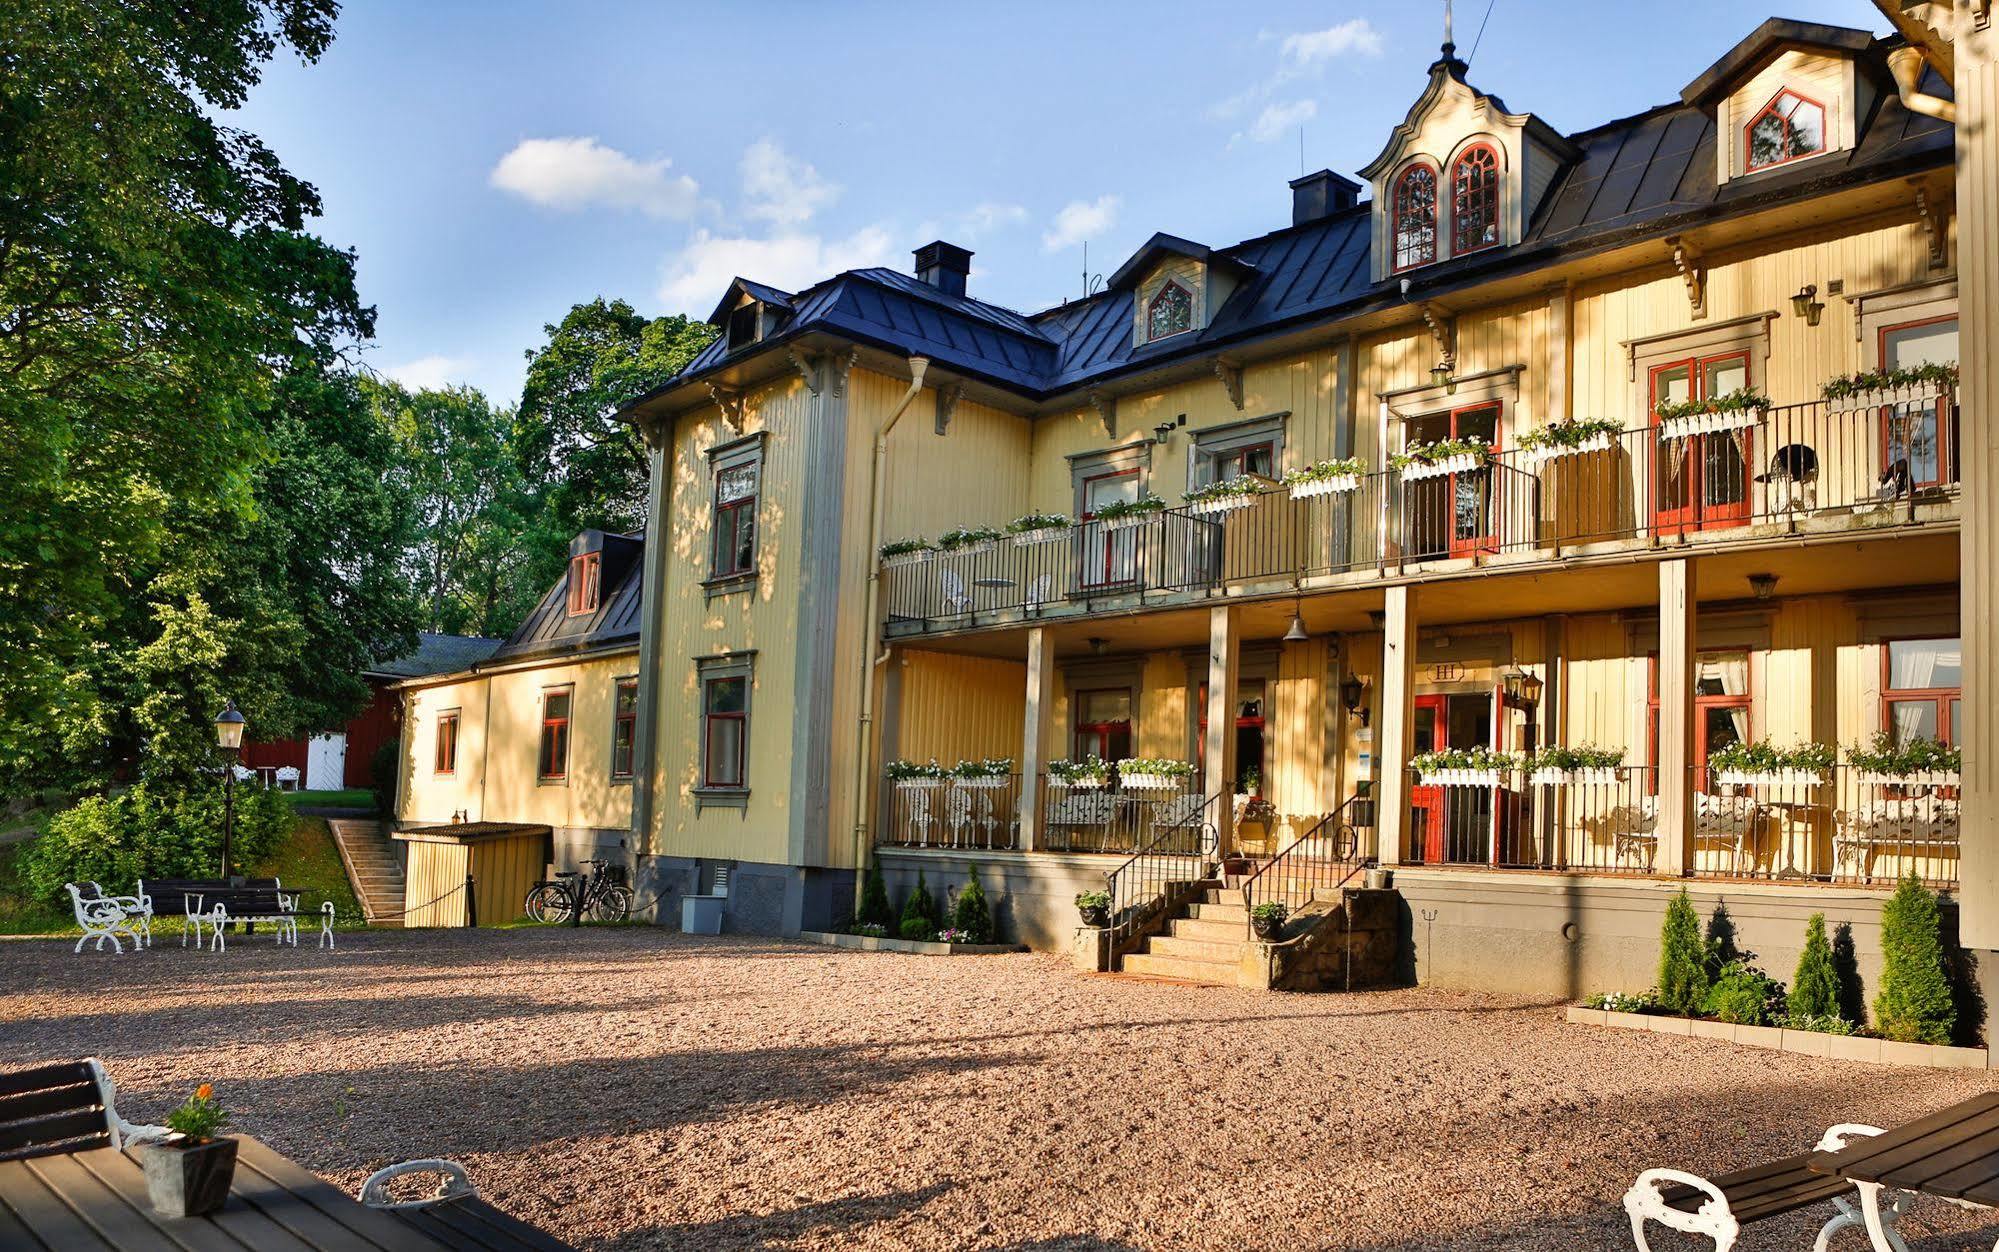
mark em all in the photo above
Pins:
pixel 435 873
pixel 961 708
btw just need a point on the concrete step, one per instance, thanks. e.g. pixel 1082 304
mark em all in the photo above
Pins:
pixel 1220 912
pixel 1215 973
pixel 1208 931
pixel 1193 949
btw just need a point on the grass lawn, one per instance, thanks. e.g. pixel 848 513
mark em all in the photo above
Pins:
pixel 347 798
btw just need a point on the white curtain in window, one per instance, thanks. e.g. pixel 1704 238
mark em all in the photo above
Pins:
pixel 1725 674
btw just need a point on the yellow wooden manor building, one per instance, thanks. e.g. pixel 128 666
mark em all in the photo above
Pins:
pixel 1549 520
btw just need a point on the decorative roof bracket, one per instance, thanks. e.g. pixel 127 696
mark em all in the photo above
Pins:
pixel 1443 326
pixel 1692 265
pixel 657 432
pixel 1933 216
pixel 731 401
pixel 947 404
pixel 807 367
pixel 1106 407
pixel 1231 375
pixel 840 367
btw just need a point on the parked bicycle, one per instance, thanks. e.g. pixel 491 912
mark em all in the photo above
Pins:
pixel 605 897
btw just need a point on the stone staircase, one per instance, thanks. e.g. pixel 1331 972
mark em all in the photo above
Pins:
pixel 1204 942
pixel 372 868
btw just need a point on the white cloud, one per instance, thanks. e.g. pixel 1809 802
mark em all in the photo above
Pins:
pixel 988 217
pixel 1278 120
pixel 431 373
pixel 1079 220
pixel 577 173
pixel 695 277
pixel 780 188
pixel 1308 48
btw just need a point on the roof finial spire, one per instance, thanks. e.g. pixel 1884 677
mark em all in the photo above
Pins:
pixel 1450 47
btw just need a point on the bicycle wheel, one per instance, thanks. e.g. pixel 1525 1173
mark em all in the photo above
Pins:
pixel 613 904
pixel 548 903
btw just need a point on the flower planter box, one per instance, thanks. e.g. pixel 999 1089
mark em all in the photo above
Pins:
pixel 1802 1042
pixel 1460 778
pixel 1769 777
pixel 1221 504
pixel 1080 784
pixel 978 547
pixel 918 784
pixel 1047 534
pixel 188 1179
pixel 1151 782
pixel 905 558
pixel 1707 424
pixel 1549 452
pixel 1325 486
pixel 982 782
pixel 1463 463
pixel 1882 397
pixel 1920 778
pixel 1124 521
pixel 1595 776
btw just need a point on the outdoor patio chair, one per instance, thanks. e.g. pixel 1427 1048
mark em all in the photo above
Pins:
pixel 454 1215
pixel 916 815
pixel 1720 1207
pixel 286 777
pixel 65 1107
pixel 957 812
pixel 956 598
pixel 1729 822
pixel 1792 480
pixel 104 918
pixel 1184 814
pixel 1037 590
pixel 138 908
pixel 1919 824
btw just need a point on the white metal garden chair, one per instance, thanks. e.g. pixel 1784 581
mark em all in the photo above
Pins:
pixel 104 918
pixel 1728 822
pixel 916 815
pixel 1719 1207
pixel 286 777
pixel 956 598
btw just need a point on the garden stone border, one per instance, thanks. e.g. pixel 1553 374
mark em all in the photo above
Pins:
pixel 915 947
pixel 1803 1042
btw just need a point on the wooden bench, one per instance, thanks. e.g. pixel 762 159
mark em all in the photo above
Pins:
pixel 50 1110
pixel 212 904
pixel 1719 1207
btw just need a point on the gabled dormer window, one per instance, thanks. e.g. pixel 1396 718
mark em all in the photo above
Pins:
pixel 583 578
pixel 1475 200
pixel 1170 313
pixel 743 326
pixel 1789 128
pixel 1415 222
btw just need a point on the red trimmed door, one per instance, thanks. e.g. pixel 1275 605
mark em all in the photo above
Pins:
pixel 1453 514
pixel 1426 804
pixel 1108 557
pixel 1703 481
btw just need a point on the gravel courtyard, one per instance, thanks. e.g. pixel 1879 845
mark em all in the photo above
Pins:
pixel 635 1089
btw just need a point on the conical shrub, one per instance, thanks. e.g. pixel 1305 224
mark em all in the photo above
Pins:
pixel 972 914
pixel 919 912
pixel 1915 1003
pixel 1683 970
pixel 875 908
pixel 1815 988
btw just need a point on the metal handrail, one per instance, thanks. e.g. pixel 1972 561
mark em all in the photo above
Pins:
pixel 1143 876
pixel 1287 862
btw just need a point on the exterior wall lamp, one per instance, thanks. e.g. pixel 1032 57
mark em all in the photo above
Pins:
pixel 1523 688
pixel 1763 585
pixel 1352 691
pixel 1440 375
pixel 1162 433
pixel 1806 304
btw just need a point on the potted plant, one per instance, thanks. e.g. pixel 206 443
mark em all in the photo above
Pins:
pixel 1147 774
pixel 1121 513
pixel 1081 775
pixel 1586 766
pixel 188 1173
pixel 1095 908
pixel 1443 456
pixel 992 771
pixel 1224 497
pixel 907 551
pixel 968 539
pixel 1463 767
pixel 1761 765
pixel 1268 918
pixel 1033 528
pixel 1741 408
pixel 1914 763
pixel 1326 478
pixel 910 774
pixel 1875 389
pixel 1570 436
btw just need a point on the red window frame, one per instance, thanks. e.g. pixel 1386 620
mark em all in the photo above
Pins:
pixel 1094 738
pixel 1746 702
pixel 444 753
pixel 1749 163
pixel 1402 206
pixel 1113 546
pixel 1488 539
pixel 1484 198
pixel 624 728
pixel 583 577
pixel 1169 285
pixel 1695 513
pixel 728 557
pixel 1946 423
pixel 1946 698
pixel 552 764
pixel 1219 462
pixel 737 721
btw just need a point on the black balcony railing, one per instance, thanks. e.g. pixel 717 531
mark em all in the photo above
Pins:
pixel 1122 817
pixel 981 814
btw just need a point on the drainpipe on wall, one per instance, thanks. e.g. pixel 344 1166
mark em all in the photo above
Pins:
pixel 869 658
pixel 1906 64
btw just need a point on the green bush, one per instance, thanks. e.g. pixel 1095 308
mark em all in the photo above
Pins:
pixel 150 831
pixel 875 910
pixel 919 912
pixel 1815 988
pixel 382 772
pixel 972 915
pixel 1915 1004
pixel 1683 964
pixel 1744 995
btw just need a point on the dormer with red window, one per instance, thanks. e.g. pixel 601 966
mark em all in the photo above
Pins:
pixel 1177 287
pixel 1459 175
pixel 598 563
pixel 1790 93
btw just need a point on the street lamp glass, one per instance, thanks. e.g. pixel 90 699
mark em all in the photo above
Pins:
pixel 229 728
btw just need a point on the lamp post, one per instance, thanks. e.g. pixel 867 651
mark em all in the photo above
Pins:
pixel 229 736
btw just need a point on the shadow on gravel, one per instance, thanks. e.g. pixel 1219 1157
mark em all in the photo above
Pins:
pixel 785 1229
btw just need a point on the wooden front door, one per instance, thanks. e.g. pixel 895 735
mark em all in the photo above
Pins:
pixel 1701 482
pixel 1107 557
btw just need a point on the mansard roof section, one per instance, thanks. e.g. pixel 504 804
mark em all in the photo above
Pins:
pixel 1764 44
pixel 739 287
pixel 1163 245
pixel 550 630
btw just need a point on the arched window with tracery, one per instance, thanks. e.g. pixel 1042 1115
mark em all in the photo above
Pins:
pixel 1475 200
pixel 1415 219
pixel 1171 311
pixel 1788 128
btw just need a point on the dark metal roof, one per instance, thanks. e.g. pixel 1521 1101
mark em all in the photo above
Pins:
pixel 471 832
pixel 1642 177
pixel 1164 245
pixel 436 654
pixel 550 631
pixel 755 291
pixel 1764 42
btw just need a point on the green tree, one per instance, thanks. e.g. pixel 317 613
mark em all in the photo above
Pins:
pixel 1683 958
pixel 919 913
pixel 155 278
pixel 1914 1004
pixel 971 914
pixel 875 908
pixel 1815 988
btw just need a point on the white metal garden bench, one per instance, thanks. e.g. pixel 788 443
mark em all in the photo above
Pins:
pixel 956 598
pixel 104 918
pixel 1916 824
pixel 1719 1207
pixel 1091 810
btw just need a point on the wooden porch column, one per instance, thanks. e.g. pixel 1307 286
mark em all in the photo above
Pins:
pixel 1218 753
pixel 1395 735
pixel 1677 612
pixel 1037 739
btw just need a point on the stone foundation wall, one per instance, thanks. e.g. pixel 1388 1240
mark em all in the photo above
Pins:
pixel 1359 944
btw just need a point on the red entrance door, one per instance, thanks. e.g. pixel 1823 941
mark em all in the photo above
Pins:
pixel 1426 804
pixel 1454 514
pixel 1703 481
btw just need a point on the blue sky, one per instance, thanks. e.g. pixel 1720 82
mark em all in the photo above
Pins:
pixel 496 162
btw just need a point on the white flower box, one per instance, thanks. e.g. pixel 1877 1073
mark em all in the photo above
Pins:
pixel 1883 397
pixel 1599 442
pixel 1045 534
pixel 1594 776
pixel 977 548
pixel 1769 777
pixel 1126 520
pixel 1708 423
pixel 1459 778
pixel 918 784
pixel 1221 504
pixel 983 782
pixel 1463 463
pixel 1336 485
pixel 1150 782
pixel 1918 778
pixel 905 558
pixel 1079 784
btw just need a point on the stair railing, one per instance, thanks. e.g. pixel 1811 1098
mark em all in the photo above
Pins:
pixel 1324 858
pixel 1182 847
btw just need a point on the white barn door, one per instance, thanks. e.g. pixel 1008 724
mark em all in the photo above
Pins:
pixel 326 761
